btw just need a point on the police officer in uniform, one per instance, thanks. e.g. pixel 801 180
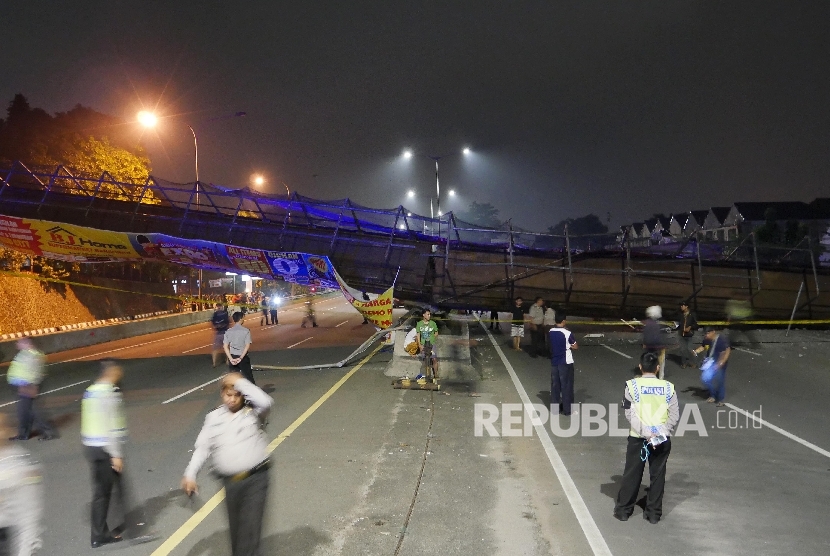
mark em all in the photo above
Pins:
pixel 21 498
pixel 26 372
pixel 652 410
pixel 103 433
pixel 233 438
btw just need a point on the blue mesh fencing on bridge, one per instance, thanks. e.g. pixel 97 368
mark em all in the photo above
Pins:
pixel 203 200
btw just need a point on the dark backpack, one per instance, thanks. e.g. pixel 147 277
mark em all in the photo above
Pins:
pixel 220 320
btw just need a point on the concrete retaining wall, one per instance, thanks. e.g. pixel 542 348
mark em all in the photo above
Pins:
pixel 61 341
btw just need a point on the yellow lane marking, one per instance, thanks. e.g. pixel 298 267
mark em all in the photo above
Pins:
pixel 191 524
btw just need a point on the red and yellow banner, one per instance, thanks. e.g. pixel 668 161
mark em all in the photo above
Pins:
pixel 64 241
pixel 376 308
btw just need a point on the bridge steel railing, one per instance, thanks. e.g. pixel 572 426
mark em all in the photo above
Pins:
pixel 442 260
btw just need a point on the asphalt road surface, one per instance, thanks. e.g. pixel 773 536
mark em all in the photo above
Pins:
pixel 360 468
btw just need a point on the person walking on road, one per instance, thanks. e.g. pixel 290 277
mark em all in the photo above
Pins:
pixel 652 410
pixel 220 322
pixel 272 303
pixel 653 339
pixel 103 434
pixel 237 342
pixel 232 437
pixel 686 331
pixel 717 347
pixel 310 316
pixel 265 311
pixel 517 324
pixel 562 342
pixel 21 498
pixel 26 373
pixel 494 321
pixel 537 332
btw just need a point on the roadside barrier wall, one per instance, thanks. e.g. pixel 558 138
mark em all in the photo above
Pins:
pixel 72 339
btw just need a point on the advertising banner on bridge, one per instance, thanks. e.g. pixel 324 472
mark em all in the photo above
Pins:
pixel 291 267
pixel 249 261
pixel 64 241
pixel 191 252
pixel 376 308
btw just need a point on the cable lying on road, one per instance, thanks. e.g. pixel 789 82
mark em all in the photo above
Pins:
pixel 363 347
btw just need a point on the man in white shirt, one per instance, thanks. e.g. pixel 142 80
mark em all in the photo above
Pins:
pixel 233 438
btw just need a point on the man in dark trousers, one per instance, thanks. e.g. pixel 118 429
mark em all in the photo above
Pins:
pixel 220 322
pixel 562 341
pixel 103 434
pixel 26 373
pixel 237 343
pixel 652 410
pixel 233 439
pixel 685 333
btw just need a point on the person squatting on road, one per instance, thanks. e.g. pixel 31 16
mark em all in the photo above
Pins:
pixel 562 341
pixel 26 373
pixel 21 498
pixel 237 342
pixel 652 410
pixel 233 438
pixel 220 322
pixel 425 336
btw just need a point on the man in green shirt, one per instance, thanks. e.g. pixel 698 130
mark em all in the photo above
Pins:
pixel 426 333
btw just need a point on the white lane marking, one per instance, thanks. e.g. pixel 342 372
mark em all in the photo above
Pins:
pixel 586 521
pixel 779 430
pixel 617 352
pixel 194 349
pixel 747 351
pixel 50 391
pixel 174 398
pixel 341 324
pixel 300 342
pixel 122 348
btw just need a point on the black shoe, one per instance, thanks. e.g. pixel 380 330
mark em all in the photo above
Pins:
pixel 621 517
pixel 314 325
pixel 18 437
pixel 110 540
pixel 653 519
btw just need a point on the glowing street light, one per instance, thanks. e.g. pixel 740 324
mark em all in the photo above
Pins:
pixel 147 119
pixel 407 154
pixel 452 192
pixel 258 180
pixel 410 193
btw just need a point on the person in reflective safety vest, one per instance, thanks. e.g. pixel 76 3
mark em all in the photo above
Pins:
pixel 26 373
pixel 652 410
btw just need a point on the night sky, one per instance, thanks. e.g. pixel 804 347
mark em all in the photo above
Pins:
pixel 620 107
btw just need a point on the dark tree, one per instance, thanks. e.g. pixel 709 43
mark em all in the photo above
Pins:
pixel 588 224
pixel 480 214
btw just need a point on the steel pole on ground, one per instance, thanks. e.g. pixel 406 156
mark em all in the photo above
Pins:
pixel 795 307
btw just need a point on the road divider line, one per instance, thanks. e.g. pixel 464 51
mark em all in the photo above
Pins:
pixel 194 349
pixel 747 351
pixel 50 391
pixel 341 324
pixel 122 348
pixel 580 509
pixel 300 342
pixel 190 525
pixel 779 430
pixel 617 352
pixel 174 398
